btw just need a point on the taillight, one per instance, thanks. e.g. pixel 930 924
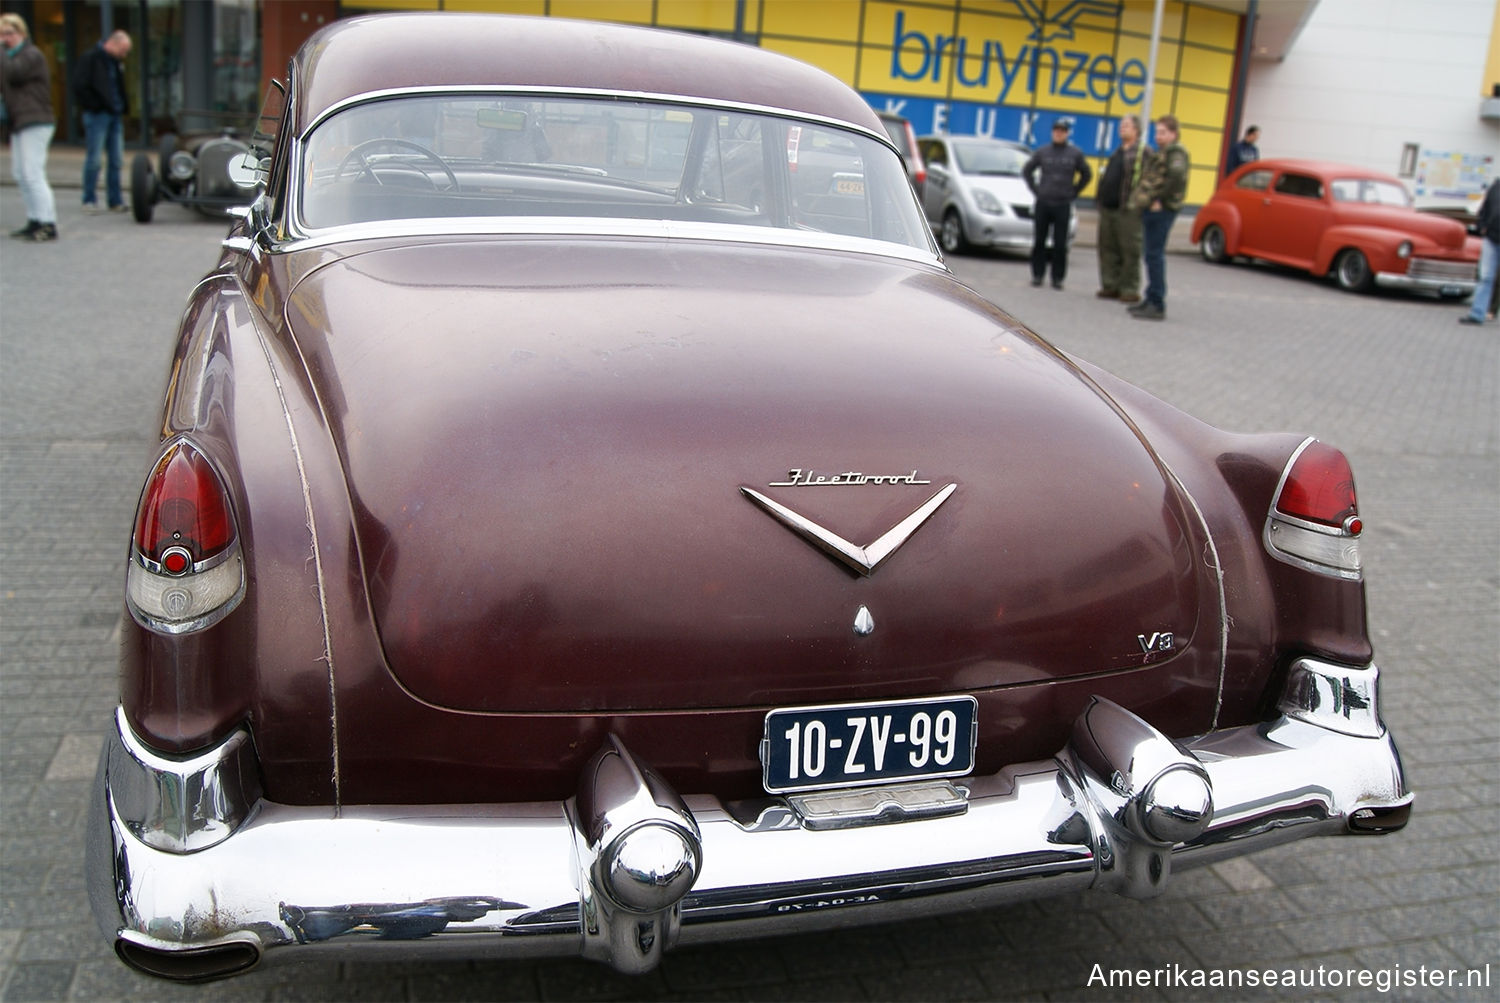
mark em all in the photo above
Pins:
pixel 1314 521
pixel 185 570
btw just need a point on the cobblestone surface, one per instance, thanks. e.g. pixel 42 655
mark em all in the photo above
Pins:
pixel 85 331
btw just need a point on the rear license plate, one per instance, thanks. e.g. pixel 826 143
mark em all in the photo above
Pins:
pixel 855 745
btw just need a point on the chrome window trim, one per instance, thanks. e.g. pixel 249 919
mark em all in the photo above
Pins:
pixel 650 97
pixel 299 236
pixel 591 226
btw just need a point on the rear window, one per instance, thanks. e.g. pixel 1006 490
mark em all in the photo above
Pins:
pixel 1369 190
pixel 453 156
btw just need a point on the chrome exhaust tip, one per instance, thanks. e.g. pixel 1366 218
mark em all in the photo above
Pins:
pixel 200 963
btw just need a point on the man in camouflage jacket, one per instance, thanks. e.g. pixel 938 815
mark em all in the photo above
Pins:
pixel 1159 195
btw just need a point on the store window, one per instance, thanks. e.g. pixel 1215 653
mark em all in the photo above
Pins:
pixel 236 62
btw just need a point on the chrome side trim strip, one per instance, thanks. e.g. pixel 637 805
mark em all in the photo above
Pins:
pixel 1218 566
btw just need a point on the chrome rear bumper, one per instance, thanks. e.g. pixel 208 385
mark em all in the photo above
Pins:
pixel 193 875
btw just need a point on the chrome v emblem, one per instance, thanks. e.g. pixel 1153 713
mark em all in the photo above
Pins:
pixel 862 559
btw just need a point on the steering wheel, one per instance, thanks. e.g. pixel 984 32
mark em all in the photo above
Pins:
pixel 357 155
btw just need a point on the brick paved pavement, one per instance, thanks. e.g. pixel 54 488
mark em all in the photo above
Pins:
pixel 85 330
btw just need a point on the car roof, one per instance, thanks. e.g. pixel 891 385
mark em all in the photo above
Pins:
pixel 385 52
pixel 1323 168
pixel 954 138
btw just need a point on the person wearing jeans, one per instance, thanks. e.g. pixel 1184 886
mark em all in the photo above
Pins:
pixel 26 94
pixel 99 89
pixel 1489 256
pixel 1159 196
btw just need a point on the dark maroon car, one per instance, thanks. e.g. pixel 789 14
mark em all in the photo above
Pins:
pixel 589 516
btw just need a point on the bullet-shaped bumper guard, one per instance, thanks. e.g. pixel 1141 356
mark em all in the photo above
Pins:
pixel 193 875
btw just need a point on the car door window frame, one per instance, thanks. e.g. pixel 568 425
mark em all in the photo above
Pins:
pixel 1255 181
pixel 1298 185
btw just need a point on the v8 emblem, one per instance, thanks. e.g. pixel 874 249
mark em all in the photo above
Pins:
pixel 1160 640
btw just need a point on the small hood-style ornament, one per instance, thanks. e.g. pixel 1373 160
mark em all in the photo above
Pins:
pixel 864 623
pixel 862 559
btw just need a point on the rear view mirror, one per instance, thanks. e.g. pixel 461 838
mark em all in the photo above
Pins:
pixel 246 171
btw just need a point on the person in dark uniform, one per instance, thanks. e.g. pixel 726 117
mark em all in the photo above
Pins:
pixel 1056 174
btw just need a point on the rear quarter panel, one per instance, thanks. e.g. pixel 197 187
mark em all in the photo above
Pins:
pixel 1275 612
pixel 264 664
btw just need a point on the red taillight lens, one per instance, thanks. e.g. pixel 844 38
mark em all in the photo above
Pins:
pixel 1314 522
pixel 1320 488
pixel 187 572
pixel 184 513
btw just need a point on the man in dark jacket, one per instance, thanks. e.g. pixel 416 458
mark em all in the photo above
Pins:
pixel 99 89
pixel 1489 255
pixel 1056 174
pixel 1243 152
pixel 1120 225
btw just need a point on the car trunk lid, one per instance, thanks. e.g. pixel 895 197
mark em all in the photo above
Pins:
pixel 547 447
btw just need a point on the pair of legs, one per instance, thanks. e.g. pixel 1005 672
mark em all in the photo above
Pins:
pixel 1050 218
pixel 1120 253
pixel 1156 226
pixel 103 132
pixel 1489 264
pixel 28 163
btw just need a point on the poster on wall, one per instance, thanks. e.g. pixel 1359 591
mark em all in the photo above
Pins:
pixel 1448 179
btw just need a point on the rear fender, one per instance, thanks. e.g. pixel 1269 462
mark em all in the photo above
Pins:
pixel 1232 480
pixel 265 661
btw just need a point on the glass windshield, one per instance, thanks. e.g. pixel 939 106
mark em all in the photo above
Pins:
pixel 989 158
pixel 426 156
pixel 1368 190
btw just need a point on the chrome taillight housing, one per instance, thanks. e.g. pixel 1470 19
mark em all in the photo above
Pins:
pixel 185 571
pixel 1314 521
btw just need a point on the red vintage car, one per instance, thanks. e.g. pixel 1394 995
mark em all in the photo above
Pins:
pixel 590 516
pixel 1323 217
